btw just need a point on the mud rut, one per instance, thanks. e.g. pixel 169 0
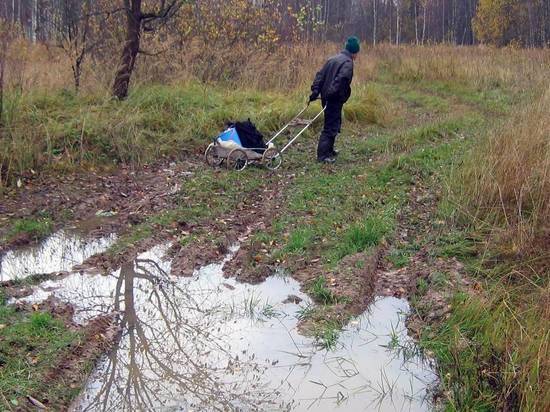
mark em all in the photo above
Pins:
pixel 141 193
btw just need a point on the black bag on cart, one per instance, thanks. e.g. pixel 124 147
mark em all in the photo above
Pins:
pixel 249 135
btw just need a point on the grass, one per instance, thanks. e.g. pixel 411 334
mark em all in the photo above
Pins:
pixel 35 228
pixel 505 182
pixel 399 256
pixel 483 350
pixel 321 293
pixel 305 312
pixel 492 351
pixel 155 122
pixel 361 236
pixel 299 240
pixel 456 244
pixel 494 348
pixel 432 133
pixel 327 336
pixel 29 345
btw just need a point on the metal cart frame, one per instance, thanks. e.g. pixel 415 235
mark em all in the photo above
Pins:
pixel 240 157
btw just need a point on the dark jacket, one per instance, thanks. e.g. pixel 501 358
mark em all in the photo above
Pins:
pixel 333 81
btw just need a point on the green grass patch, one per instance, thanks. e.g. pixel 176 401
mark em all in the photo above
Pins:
pixel 417 98
pixel 299 240
pixel 488 357
pixel 29 346
pixel 37 228
pixel 327 335
pixel 456 244
pixel 321 293
pixel 134 236
pixel 360 236
pixel 369 106
pixel 432 133
pixel 399 258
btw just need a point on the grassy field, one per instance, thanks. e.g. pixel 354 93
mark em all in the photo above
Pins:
pixel 469 126
pixel 30 343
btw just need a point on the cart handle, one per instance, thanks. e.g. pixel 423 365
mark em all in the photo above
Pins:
pixel 288 124
pixel 303 130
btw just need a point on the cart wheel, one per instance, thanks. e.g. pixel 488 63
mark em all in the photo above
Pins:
pixel 272 159
pixel 237 159
pixel 211 156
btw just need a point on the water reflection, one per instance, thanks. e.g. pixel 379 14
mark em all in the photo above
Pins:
pixel 209 343
pixel 59 252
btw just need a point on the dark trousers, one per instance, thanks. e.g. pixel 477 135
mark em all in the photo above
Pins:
pixel 333 123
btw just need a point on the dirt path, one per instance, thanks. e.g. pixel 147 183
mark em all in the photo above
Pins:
pixel 126 197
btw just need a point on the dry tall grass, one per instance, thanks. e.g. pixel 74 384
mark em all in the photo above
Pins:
pixel 38 68
pixel 506 181
pixel 479 67
pixel 503 188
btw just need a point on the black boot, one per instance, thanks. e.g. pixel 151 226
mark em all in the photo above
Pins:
pixel 327 160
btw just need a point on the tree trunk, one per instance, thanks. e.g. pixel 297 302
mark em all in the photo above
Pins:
pixel 391 23
pixel 397 30
pixel 416 22
pixel 424 22
pixel 531 30
pixel 443 23
pixel 2 67
pixel 34 20
pixel 77 72
pixel 375 20
pixel 130 51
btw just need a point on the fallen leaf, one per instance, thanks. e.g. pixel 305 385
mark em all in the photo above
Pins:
pixel 36 402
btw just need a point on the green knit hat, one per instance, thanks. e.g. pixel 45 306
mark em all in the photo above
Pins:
pixel 352 45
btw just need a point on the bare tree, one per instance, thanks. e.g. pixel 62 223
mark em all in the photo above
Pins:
pixel 73 29
pixel 137 21
pixel 8 32
pixel 375 21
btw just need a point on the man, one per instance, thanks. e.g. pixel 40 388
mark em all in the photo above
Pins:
pixel 333 83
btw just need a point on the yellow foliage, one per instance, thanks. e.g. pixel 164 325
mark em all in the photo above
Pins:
pixel 493 20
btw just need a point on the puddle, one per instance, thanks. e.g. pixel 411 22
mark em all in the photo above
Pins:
pixel 209 343
pixel 58 253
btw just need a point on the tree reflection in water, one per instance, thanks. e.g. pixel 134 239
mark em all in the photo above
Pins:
pixel 173 353
pixel 208 343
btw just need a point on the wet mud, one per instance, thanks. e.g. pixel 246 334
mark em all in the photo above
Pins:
pixel 124 197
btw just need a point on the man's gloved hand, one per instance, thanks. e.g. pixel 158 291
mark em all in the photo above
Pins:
pixel 313 97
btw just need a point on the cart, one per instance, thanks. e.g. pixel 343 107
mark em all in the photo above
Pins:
pixel 238 158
